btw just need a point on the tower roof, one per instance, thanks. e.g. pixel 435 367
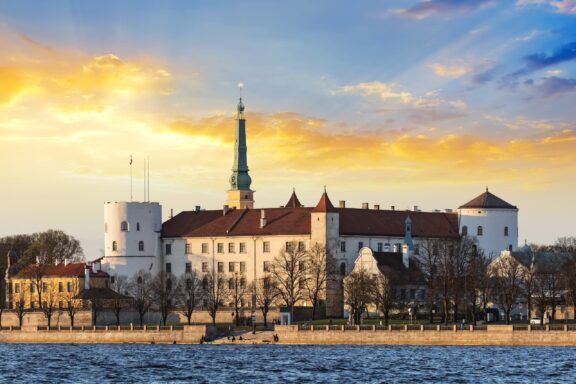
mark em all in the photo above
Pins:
pixel 324 205
pixel 293 202
pixel 488 200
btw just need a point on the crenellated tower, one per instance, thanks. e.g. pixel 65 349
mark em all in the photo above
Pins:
pixel 240 195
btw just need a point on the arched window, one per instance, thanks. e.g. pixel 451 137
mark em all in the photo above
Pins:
pixel 343 269
pixel 141 246
pixel 124 226
pixel 480 230
pixel 464 230
pixel 169 284
pixel 114 246
pixel 505 231
pixel 137 226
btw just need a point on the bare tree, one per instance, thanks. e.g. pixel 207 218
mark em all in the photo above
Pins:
pixel 49 302
pixel 358 293
pixel 427 261
pixel 164 294
pixel 238 290
pixel 320 268
pixel 140 288
pixel 266 293
pixel 20 304
pixel 507 276
pixel 287 270
pixel 73 304
pixel 190 294
pixel 475 276
pixel 119 284
pixel 215 291
pixel 384 293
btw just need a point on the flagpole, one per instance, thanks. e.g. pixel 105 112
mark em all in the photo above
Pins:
pixel 130 177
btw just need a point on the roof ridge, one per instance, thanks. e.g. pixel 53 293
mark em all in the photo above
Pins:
pixel 235 223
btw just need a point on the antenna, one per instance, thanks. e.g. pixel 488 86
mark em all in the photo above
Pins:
pixel 240 86
pixel 144 180
pixel 148 159
pixel 130 177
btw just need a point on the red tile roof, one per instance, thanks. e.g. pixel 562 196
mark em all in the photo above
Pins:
pixel 60 270
pixel 293 202
pixel 296 221
pixel 324 205
pixel 488 200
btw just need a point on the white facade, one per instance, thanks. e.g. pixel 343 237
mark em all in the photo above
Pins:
pixel 132 237
pixel 496 229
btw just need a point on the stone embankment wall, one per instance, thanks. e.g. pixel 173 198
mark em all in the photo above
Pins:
pixel 492 335
pixel 188 334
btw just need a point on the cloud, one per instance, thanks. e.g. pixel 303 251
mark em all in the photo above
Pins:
pixel 554 86
pixel 449 71
pixel 428 8
pixel 561 6
pixel 384 91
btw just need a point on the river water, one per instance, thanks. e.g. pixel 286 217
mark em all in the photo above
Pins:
pixel 82 363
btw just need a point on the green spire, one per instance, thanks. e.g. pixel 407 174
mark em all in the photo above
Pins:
pixel 240 180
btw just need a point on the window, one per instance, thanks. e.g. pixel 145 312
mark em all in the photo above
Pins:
pixel 231 248
pixel 474 250
pixel 510 247
pixel 242 266
pixel 31 288
pixel 187 248
pixel 204 247
pixel 360 245
pixel 242 247
pixel 188 268
pixel 16 287
pixel 69 286
pixel 416 249
pixel 342 246
pixel 342 269
pixel 289 246
pixel 266 247
pixel 168 267
pixel 242 283
pixel 412 294
pixel 204 266
pixel 60 286
pixel 168 249
pixel 231 266
pixel 44 287
pixel 169 284
pixel 139 280
pixel 220 267
pixel 32 305
pixel 141 246
pixel 205 287
pixel 505 231
pixel 112 279
pixel 301 246
pixel 231 283
pixel 380 247
pixel 137 226
pixel 266 266
pixel 220 247
pixel 464 230
pixel 114 246
pixel 480 231
pixel 124 226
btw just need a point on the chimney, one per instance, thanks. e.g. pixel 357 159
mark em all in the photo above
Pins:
pixel 342 204
pixel 377 207
pixel 393 208
pixel 37 260
pixel 263 220
pixel 225 210
pixel 56 262
pixel 197 208
pixel 87 276
pixel 415 208
pixel 365 206
pixel 171 212
pixel 448 210
pixel 66 262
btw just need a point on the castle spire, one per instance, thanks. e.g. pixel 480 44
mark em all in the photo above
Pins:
pixel 240 195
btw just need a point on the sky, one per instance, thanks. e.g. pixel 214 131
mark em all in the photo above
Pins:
pixel 392 102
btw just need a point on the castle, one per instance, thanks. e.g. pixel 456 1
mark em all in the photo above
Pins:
pixel 242 239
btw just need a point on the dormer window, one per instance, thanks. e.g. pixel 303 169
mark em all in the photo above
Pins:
pixel 124 226
pixel 480 231
pixel 505 231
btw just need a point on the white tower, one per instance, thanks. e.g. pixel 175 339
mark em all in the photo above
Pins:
pixel 132 238
pixel 493 222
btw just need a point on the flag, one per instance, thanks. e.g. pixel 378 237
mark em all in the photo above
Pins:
pixel 130 159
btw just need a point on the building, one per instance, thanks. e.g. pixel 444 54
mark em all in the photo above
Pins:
pixel 242 239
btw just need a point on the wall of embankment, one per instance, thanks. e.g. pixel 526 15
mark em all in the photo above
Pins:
pixel 491 335
pixel 188 334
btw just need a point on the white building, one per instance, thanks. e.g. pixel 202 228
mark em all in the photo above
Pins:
pixel 241 239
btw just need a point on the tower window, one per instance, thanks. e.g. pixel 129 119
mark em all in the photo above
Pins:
pixel 114 246
pixel 464 230
pixel 168 267
pixel 505 231
pixel 343 269
pixel 342 246
pixel 141 246
pixel 168 249
pixel 124 226
pixel 187 248
pixel 137 226
pixel 480 231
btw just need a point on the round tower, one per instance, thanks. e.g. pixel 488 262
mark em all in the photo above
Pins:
pixel 132 238
pixel 493 222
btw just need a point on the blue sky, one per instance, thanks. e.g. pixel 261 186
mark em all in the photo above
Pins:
pixel 411 102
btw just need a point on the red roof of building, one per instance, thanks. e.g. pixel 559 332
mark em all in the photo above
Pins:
pixel 60 270
pixel 488 200
pixel 324 205
pixel 294 202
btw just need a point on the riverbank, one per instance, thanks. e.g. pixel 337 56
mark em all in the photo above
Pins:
pixel 502 335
